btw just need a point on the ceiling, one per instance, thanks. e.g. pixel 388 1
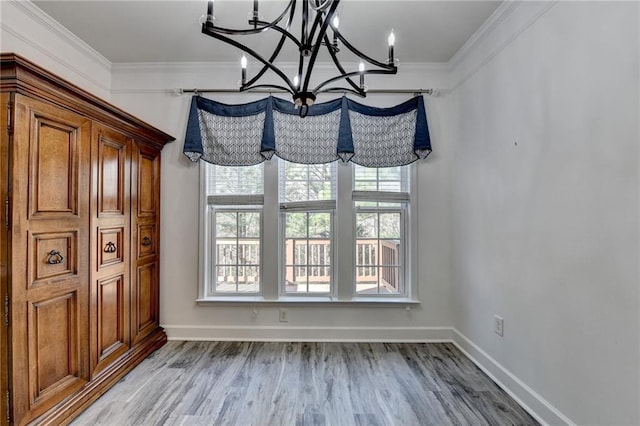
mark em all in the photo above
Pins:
pixel 169 31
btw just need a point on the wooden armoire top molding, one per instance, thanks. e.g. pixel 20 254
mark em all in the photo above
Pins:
pixel 20 75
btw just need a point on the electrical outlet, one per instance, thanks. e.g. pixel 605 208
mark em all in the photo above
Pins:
pixel 498 325
pixel 284 315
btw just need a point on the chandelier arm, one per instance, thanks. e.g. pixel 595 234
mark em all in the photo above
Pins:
pixel 276 51
pixel 350 74
pixel 266 86
pixel 316 48
pixel 339 66
pixel 229 31
pixel 317 21
pixel 321 6
pixel 266 67
pixel 343 90
pixel 251 52
pixel 365 57
pixel 267 25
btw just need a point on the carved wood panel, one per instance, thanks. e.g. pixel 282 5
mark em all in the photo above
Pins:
pixel 53 165
pixel 112 320
pixel 49 299
pixel 148 181
pixel 110 272
pixel 145 303
pixel 111 174
pixel 54 347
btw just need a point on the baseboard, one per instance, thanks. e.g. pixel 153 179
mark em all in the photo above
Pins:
pixel 541 409
pixel 308 334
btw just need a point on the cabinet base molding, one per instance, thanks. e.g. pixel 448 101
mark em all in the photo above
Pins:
pixel 70 408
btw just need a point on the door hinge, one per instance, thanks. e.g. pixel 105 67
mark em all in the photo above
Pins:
pixel 6 309
pixel 8 402
pixel 6 213
pixel 10 118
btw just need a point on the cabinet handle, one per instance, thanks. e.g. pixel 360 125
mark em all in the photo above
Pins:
pixel 54 257
pixel 146 241
pixel 110 248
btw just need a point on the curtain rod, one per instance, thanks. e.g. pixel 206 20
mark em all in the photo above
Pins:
pixel 390 91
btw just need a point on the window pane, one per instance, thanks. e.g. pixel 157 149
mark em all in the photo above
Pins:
pixel 296 225
pixel 378 253
pixel 319 225
pixel 308 252
pixel 307 182
pixel 390 225
pixel 385 179
pixel 222 180
pixel 248 224
pixel 226 251
pixel 367 225
pixel 226 224
pixel 237 251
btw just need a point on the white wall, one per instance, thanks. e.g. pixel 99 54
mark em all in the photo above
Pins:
pixel 34 35
pixel 145 90
pixel 546 206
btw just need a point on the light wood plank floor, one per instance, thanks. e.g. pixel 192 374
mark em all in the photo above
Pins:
pixel 243 383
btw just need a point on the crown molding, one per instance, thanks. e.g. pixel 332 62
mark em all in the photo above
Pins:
pixel 38 15
pixel 484 45
pixel 498 16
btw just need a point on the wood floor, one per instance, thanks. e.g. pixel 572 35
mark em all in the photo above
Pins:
pixel 242 383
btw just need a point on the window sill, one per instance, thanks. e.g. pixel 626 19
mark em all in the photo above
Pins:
pixel 312 300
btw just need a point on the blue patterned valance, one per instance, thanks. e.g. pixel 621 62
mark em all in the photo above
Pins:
pixel 247 134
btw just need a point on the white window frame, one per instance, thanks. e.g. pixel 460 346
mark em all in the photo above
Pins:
pixel 210 289
pixel 342 254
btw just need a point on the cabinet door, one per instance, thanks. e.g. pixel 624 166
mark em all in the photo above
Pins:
pixel 110 253
pixel 145 242
pixel 50 157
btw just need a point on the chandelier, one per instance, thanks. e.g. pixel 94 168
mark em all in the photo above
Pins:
pixel 318 16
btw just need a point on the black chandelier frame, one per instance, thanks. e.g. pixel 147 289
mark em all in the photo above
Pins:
pixel 309 45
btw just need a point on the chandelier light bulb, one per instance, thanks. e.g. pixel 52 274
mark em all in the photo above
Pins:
pixel 336 21
pixel 361 66
pixel 392 41
pixel 243 64
pixel 296 81
pixel 210 17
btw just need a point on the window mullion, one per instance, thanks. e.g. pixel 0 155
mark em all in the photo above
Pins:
pixel 344 247
pixel 270 215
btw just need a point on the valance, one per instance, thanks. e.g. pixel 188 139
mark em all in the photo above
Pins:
pixel 248 134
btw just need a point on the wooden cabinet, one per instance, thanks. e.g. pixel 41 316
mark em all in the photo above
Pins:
pixel 79 246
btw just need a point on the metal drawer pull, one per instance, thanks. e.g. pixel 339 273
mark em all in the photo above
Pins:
pixel 146 241
pixel 110 248
pixel 54 257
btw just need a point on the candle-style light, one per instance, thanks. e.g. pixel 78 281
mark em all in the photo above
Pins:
pixel 361 70
pixel 210 12
pixel 243 64
pixel 296 81
pixel 392 41
pixel 336 24
pixel 255 13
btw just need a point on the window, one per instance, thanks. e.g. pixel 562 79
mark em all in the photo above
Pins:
pixel 281 231
pixel 380 199
pixel 234 207
pixel 307 203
